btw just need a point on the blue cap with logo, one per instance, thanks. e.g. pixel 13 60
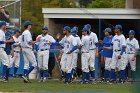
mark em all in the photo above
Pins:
pixel 85 29
pixel 118 27
pixel 17 30
pixel 88 26
pixel 74 30
pixel 67 28
pixel 131 32
pixel 2 23
pixel 45 28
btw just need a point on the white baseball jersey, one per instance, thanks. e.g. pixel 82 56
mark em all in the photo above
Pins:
pixel 85 44
pixel 26 38
pixel 17 41
pixel 68 43
pixel 43 43
pixel 2 38
pixel 118 42
pixel 93 40
pixel 78 43
pixel 131 46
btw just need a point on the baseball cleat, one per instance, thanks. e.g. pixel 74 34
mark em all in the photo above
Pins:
pixel 25 79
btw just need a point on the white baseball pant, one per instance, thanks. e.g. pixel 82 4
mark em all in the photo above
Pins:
pixel 28 56
pixel 15 60
pixel 132 62
pixel 43 58
pixel 92 59
pixel 85 62
pixel 107 63
pixel 4 57
pixel 66 62
pixel 74 60
pixel 116 63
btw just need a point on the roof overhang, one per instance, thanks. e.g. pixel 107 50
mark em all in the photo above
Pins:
pixel 91 13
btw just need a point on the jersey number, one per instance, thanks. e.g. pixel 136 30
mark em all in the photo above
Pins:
pixel 23 38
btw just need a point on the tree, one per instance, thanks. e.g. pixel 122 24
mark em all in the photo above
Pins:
pixel 107 4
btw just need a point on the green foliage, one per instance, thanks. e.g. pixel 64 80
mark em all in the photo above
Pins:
pixel 32 10
pixel 107 4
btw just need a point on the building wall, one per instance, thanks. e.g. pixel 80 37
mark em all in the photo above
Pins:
pixel 133 4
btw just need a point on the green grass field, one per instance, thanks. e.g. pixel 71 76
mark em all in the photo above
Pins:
pixel 16 85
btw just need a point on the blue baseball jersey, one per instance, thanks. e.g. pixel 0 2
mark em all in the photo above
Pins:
pixel 8 48
pixel 107 41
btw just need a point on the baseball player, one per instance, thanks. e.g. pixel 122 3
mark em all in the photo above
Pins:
pixel 93 50
pixel 107 51
pixel 28 54
pixel 132 47
pixel 9 50
pixel 70 44
pixel 3 56
pixel 43 53
pixel 85 56
pixel 16 59
pixel 74 31
pixel 118 58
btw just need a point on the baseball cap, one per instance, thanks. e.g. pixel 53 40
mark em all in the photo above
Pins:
pixel 108 30
pixel 26 23
pixel 74 29
pixel 67 28
pixel 131 32
pixel 45 28
pixel 88 26
pixel 2 23
pixel 84 29
pixel 17 30
pixel 118 27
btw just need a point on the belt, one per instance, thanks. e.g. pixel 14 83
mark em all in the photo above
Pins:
pixel 16 51
pixel 43 49
pixel 27 47
pixel 117 50
pixel 92 49
pixel 85 52
pixel 1 47
pixel 130 53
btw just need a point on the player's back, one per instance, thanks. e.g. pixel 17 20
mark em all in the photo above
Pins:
pixel 26 38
